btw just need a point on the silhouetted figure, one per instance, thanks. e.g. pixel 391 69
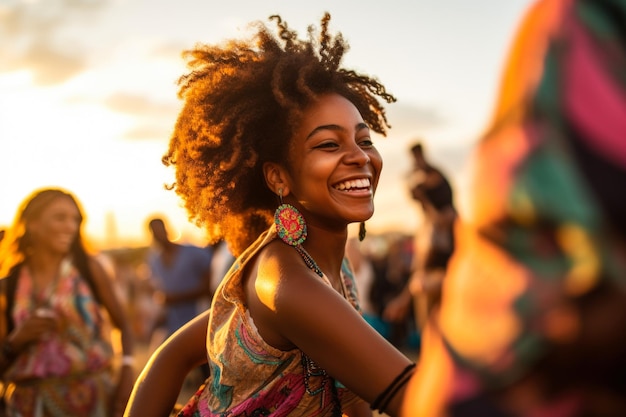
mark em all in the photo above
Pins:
pixel 435 238
pixel 434 241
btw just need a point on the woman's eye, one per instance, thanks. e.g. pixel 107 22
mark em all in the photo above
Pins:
pixel 326 145
pixel 366 142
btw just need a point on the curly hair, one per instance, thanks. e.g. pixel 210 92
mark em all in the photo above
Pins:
pixel 241 100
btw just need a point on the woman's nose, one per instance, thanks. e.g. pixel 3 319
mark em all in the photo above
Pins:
pixel 357 155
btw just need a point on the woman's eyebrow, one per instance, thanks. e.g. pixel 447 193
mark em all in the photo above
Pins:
pixel 335 128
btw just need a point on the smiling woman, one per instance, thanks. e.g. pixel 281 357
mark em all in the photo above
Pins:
pixel 273 153
pixel 54 333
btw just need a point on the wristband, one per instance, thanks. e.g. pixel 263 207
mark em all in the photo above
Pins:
pixel 382 401
pixel 128 360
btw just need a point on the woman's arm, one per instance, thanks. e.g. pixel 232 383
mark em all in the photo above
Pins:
pixel 292 305
pixel 336 337
pixel 111 302
pixel 359 409
pixel 158 386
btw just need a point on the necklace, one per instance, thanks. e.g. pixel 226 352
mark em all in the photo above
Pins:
pixel 308 260
pixel 310 368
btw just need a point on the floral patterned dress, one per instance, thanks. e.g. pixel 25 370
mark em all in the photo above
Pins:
pixel 67 373
pixel 250 377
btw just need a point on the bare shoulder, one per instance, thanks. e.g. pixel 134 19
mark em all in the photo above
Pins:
pixel 279 289
pixel 282 277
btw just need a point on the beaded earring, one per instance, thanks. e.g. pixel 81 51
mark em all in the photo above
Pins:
pixel 290 224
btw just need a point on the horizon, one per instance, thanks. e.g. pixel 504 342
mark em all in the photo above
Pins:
pixel 88 95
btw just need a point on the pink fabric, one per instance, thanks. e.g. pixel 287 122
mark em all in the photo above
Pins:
pixel 596 106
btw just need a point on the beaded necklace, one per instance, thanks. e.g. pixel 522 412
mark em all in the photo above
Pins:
pixel 308 260
pixel 310 368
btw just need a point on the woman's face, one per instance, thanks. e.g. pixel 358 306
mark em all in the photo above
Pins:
pixel 334 164
pixel 57 227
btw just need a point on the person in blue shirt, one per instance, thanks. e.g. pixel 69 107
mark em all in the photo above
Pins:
pixel 181 275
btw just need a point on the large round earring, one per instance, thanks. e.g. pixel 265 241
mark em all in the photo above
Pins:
pixel 290 225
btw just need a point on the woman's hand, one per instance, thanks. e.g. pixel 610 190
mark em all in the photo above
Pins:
pixel 35 328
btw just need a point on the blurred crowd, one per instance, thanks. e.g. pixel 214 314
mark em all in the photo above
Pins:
pixel 384 268
pixel 382 265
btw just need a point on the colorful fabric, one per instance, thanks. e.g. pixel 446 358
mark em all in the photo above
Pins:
pixel 250 377
pixel 547 204
pixel 67 373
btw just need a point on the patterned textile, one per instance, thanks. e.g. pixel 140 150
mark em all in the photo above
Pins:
pixel 67 372
pixel 538 248
pixel 250 377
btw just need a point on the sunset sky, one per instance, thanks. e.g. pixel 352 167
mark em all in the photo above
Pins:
pixel 88 93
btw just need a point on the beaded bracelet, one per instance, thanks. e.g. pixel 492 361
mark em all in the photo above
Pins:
pixel 381 402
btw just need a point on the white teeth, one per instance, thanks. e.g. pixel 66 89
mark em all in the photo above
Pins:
pixel 347 185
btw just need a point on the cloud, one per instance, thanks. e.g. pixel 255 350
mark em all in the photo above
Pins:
pixel 170 50
pixel 154 119
pixel 35 36
pixel 413 117
pixel 149 132
pixel 50 65
pixel 140 105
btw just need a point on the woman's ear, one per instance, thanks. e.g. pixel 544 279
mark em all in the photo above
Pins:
pixel 276 178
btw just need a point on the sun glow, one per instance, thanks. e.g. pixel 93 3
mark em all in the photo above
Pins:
pixel 56 137
pixel 88 96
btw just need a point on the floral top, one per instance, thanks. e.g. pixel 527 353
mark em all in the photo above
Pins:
pixel 82 343
pixel 250 377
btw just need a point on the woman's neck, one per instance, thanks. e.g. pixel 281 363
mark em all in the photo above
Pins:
pixel 45 266
pixel 327 248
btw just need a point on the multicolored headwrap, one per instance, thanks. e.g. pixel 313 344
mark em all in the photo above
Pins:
pixel 548 205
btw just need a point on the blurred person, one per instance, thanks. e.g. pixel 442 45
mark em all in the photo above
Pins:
pixel 58 310
pixel 221 261
pixel 392 271
pixel 364 276
pixel 181 274
pixel 434 240
pixel 273 152
pixel 377 281
pixel 533 309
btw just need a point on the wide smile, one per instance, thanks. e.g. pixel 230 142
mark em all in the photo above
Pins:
pixel 65 239
pixel 358 185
